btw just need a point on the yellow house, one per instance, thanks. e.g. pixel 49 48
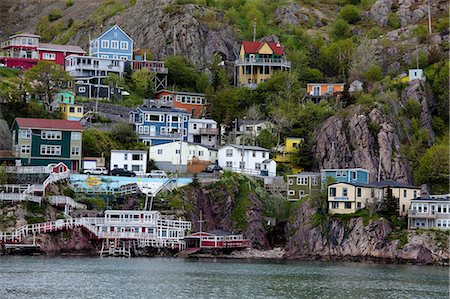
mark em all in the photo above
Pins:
pixel 347 198
pixel 291 146
pixel 258 61
pixel 71 111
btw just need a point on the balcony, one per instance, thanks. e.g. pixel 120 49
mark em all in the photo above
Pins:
pixel 417 214
pixel 339 198
pixel 263 62
pixel 209 131
pixel 152 66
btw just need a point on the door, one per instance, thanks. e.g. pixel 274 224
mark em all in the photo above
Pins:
pixel 152 130
pixel 316 90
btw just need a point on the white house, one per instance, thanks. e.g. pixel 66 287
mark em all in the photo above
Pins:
pixel 203 131
pixel 135 161
pixel 167 155
pixel 247 159
pixel 415 74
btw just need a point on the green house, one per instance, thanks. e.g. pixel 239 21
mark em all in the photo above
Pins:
pixel 65 97
pixel 39 142
pixel 302 184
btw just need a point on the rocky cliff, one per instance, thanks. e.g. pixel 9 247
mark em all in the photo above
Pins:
pixel 371 136
pixel 354 240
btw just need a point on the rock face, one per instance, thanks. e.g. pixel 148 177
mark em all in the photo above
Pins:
pixel 363 137
pixel 353 240
pixel 216 208
pixel 294 14
pixel 380 11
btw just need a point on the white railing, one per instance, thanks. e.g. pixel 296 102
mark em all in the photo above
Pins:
pixel 28 169
pixel 54 177
pixel 276 61
pixel 20 197
pixel 66 200
pixel 249 171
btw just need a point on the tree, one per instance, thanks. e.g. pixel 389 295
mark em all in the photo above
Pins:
pixel 253 114
pixel 390 204
pixel 433 168
pixel 266 139
pixel 183 74
pixel 3 174
pixel 45 79
pixel 124 133
pixel 350 13
pixel 364 57
pixel 142 82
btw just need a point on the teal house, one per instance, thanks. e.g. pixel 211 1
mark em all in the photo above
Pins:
pixel 39 142
pixel 65 97
pixel 346 175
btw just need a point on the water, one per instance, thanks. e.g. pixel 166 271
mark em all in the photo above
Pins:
pixel 50 277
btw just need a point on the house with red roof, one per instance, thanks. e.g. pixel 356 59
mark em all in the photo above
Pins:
pixel 58 53
pixel 258 61
pixel 39 142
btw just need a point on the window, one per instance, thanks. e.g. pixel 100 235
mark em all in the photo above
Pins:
pixel 123 58
pixel 242 165
pixel 154 117
pixel 405 193
pixel 330 89
pixel 114 44
pixel 348 205
pixel 125 166
pixel 125 156
pixel 160 151
pixel 25 133
pixel 263 155
pixel 332 192
pixel 291 181
pixel 344 192
pixel 174 118
pixel 301 193
pixel 291 192
pixel 75 136
pixel 302 180
pixel 123 45
pixel 315 181
pixel 48 56
pixel 229 164
pixel 254 154
pixel 335 205
pixel 75 151
pixel 354 175
pixel 25 149
pixel 51 150
pixel 81 89
pixel 79 110
pixel 358 192
pixel 200 153
pixel 177 151
pixel 358 205
pixel 72 109
pixel 136 167
pixel 105 44
pixel 194 126
pixel 258 166
pixel 146 130
pixel 51 135
pixel 415 194
pixel 229 153
pixel 136 157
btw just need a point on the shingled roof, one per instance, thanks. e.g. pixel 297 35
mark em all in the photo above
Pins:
pixel 253 47
pixel 42 123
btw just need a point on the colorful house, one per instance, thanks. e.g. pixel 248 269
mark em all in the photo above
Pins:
pixel 65 100
pixel 302 184
pixel 348 175
pixel 318 91
pixel 20 51
pixel 429 213
pixel 40 142
pixel 160 125
pixel 347 198
pixel 193 103
pixel 258 61
pixel 291 147
pixel 58 53
pixel 216 239
pixel 114 43
pixel 404 192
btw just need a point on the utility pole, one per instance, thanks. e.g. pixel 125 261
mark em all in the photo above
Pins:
pixel 200 222
pixel 181 129
pixel 429 16
pixel 254 30
pixel 174 40
pixel 417 57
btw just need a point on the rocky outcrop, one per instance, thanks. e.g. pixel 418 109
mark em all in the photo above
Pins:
pixel 354 240
pixel 380 11
pixel 294 14
pixel 413 11
pixel 373 138
pixel 114 113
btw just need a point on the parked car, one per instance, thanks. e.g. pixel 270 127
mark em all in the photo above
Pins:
pixel 122 172
pixel 157 174
pixel 211 168
pixel 97 170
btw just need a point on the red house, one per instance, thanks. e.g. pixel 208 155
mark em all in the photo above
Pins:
pixel 216 239
pixel 20 51
pixel 58 53
pixel 194 103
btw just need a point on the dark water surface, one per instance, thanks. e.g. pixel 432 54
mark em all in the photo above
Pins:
pixel 52 277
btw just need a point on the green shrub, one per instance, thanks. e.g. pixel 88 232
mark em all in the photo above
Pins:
pixel 393 21
pixel 373 33
pixel 54 15
pixel 341 29
pixel 350 13
pixel 38 219
pixel 373 74
pixel 421 33
pixel 412 108
pixel 443 25
pixel 69 3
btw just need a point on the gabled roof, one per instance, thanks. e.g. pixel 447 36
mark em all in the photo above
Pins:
pixel 356 185
pixel 392 184
pixel 305 173
pixel 246 147
pixel 344 169
pixel 180 92
pixel 330 83
pixel 115 26
pixel 61 48
pixel 41 123
pixel 160 110
pixel 254 47
pixel 25 34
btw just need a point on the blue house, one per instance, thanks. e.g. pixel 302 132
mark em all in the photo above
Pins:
pixel 160 125
pixel 114 43
pixel 347 175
